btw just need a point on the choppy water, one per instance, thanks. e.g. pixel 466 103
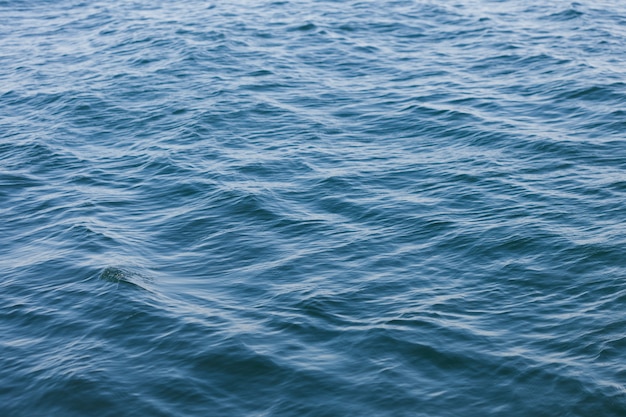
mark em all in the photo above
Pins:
pixel 312 208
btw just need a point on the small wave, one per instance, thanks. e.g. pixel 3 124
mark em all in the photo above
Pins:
pixel 124 276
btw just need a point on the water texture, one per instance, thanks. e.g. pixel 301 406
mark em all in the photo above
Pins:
pixel 312 208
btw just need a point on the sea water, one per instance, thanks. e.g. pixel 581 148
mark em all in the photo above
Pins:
pixel 312 208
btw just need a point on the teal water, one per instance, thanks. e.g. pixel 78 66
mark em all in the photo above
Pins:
pixel 312 208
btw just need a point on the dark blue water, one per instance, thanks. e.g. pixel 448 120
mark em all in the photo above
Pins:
pixel 312 208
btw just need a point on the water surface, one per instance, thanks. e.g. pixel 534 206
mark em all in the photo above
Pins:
pixel 312 208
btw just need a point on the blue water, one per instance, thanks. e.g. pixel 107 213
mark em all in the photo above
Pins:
pixel 312 208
